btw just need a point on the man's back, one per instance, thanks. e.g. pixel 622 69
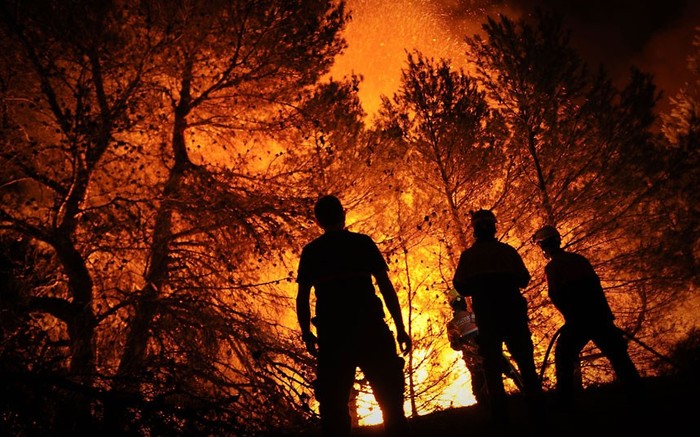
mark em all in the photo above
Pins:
pixel 340 265
pixel 350 326
pixel 575 289
pixel 492 273
pixel 492 259
pixel 461 325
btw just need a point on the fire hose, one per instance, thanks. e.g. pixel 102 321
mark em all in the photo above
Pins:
pixel 626 334
pixel 649 348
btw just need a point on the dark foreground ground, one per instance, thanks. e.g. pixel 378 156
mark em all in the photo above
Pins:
pixel 671 408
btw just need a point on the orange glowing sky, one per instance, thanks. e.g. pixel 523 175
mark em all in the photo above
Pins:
pixel 655 35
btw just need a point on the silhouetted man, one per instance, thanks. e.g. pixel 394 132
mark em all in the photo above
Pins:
pixel 575 290
pixel 349 321
pixel 492 274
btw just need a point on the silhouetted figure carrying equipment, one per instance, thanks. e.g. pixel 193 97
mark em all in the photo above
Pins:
pixel 463 334
pixel 349 321
pixel 575 290
pixel 492 274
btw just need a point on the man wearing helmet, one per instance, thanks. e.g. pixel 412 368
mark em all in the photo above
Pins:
pixel 575 290
pixel 492 274
pixel 462 332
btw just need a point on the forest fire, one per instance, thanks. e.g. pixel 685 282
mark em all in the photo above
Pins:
pixel 160 162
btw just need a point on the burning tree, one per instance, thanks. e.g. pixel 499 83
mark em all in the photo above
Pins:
pixel 447 140
pixel 582 158
pixel 135 157
pixel 160 159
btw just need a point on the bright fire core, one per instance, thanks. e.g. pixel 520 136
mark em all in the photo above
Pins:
pixel 458 394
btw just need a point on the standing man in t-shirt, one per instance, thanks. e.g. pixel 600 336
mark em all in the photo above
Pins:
pixel 351 331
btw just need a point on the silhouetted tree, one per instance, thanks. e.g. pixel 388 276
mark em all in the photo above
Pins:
pixel 679 209
pixel 450 138
pixel 137 136
pixel 71 84
pixel 450 143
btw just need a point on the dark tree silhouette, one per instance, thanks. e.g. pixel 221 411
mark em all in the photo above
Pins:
pixel 158 161
pixel 113 113
pixel 449 139
pixel 584 154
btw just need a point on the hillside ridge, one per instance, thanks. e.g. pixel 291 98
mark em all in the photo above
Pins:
pixel 671 407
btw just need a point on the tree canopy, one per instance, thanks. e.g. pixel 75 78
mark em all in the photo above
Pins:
pixel 159 163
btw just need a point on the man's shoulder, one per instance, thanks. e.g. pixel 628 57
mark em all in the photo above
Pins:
pixel 566 259
pixel 476 247
pixel 353 234
pixel 491 245
pixel 570 256
pixel 336 238
pixel 317 244
pixel 311 244
pixel 358 238
pixel 577 255
pixel 506 246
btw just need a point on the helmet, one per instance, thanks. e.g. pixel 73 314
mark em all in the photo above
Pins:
pixel 453 295
pixel 459 304
pixel 482 216
pixel 454 298
pixel 546 233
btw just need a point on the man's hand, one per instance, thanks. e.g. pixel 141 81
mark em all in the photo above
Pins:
pixel 311 343
pixel 404 341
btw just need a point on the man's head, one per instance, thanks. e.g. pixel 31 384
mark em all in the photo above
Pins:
pixel 483 223
pixel 548 238
pixel 329 212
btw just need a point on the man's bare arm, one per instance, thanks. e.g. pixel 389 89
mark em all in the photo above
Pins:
pixel 391 300
pixel 304 317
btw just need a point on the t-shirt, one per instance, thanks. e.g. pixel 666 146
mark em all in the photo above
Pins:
pixel 339 265
pixel 492 273
pixel 575 289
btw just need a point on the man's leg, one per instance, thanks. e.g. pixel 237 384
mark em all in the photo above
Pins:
pixel 613 345
pixel 383 368
pixel 479 388
pixel 335 377
pixel 566 359
pixel 491 349
pixel 522 351
pixel 474 362
pixel 521 348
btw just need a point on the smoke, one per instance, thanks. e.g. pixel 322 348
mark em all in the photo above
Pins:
pixel 379 35
pixel 654 35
